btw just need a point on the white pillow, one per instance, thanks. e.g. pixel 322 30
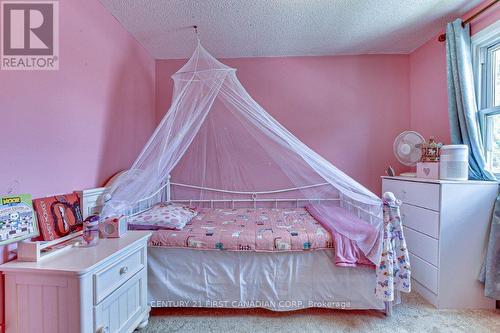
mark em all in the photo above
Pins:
pixel 162 216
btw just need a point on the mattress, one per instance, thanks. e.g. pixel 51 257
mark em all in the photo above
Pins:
pixel 279 281
pixel 243 229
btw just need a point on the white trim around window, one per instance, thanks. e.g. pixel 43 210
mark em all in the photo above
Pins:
pixel 483 47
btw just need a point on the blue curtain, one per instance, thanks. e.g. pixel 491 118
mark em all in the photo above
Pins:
pixel 462 106
pixel 464 126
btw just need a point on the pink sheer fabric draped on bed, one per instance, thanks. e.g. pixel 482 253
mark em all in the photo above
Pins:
pixel 355 240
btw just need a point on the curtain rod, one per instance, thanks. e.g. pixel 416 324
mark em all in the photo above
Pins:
pixel 442 37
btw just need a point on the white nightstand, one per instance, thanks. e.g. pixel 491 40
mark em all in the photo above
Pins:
pixel 446 226
pixel 96 289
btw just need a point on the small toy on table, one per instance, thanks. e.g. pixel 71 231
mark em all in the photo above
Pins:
pixel 431 150
pixel 113 227
pixel 428 167
pixel 91 231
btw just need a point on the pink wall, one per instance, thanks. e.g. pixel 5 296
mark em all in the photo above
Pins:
pixel 73 128
pixel 428 82
pixel 347 108
pixel 428 94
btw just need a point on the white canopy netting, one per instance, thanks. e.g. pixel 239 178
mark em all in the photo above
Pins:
pixel 215 136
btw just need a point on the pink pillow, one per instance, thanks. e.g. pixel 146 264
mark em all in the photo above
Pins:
pixel 162 216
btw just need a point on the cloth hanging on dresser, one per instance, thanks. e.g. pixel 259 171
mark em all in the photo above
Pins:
pixel 394 271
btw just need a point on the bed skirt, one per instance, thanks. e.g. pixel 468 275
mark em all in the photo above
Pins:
pixel 278 281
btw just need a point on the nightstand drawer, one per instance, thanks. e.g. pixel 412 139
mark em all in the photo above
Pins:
pixel 424 195
pixel 422 245
pixel 123 307
pixel 112 277
pixel 421 219
pixel 424 273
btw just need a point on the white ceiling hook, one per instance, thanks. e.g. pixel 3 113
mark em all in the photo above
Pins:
pixel 195 27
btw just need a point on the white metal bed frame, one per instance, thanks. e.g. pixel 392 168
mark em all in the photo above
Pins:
pixel 94 199
pixel 164 193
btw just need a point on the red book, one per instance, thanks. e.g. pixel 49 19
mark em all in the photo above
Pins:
pixel 58 216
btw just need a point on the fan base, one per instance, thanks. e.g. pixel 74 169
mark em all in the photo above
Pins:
pixel 408 174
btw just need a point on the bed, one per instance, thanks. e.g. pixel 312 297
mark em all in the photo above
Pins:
pixel 280 259
pixel 226 151
pixel 218 261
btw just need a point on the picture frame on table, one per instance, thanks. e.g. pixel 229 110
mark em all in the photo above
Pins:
pixel 18 221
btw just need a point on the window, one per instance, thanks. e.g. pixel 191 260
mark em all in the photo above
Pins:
pixel 486 63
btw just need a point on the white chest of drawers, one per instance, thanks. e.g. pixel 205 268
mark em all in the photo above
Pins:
pixel 446 227
pixel 98 289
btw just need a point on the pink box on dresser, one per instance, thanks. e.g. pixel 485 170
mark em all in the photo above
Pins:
pixel 429 170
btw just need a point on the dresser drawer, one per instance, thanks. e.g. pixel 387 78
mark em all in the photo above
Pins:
pixel 414 193
pixel 123 307
pixel 421 219
pixel 422 245
pixel 424 273
pixel 112 277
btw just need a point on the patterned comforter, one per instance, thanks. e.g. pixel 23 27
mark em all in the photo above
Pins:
pixel 244 229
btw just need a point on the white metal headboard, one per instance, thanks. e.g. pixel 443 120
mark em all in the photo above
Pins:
pixel 92 200
pixel 251 196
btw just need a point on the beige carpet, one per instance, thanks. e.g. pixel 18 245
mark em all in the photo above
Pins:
pixel 414 315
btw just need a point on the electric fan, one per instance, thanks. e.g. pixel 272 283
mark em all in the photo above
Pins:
pixel 407 148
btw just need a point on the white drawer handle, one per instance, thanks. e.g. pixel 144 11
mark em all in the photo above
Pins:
pixel 123 270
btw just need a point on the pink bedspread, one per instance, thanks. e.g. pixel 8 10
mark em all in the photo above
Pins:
pixel 244 229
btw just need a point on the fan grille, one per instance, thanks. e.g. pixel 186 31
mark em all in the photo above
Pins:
pixel 407 147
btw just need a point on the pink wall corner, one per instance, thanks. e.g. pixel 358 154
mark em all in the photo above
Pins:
pixel 73 128
pixel 428 81
pixel 428 92
pixel 165 85
pixel 347 108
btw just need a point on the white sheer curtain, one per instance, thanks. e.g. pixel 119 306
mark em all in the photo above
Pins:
pixel 216 135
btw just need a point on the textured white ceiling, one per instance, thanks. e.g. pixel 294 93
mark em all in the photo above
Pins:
pixel 250 28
